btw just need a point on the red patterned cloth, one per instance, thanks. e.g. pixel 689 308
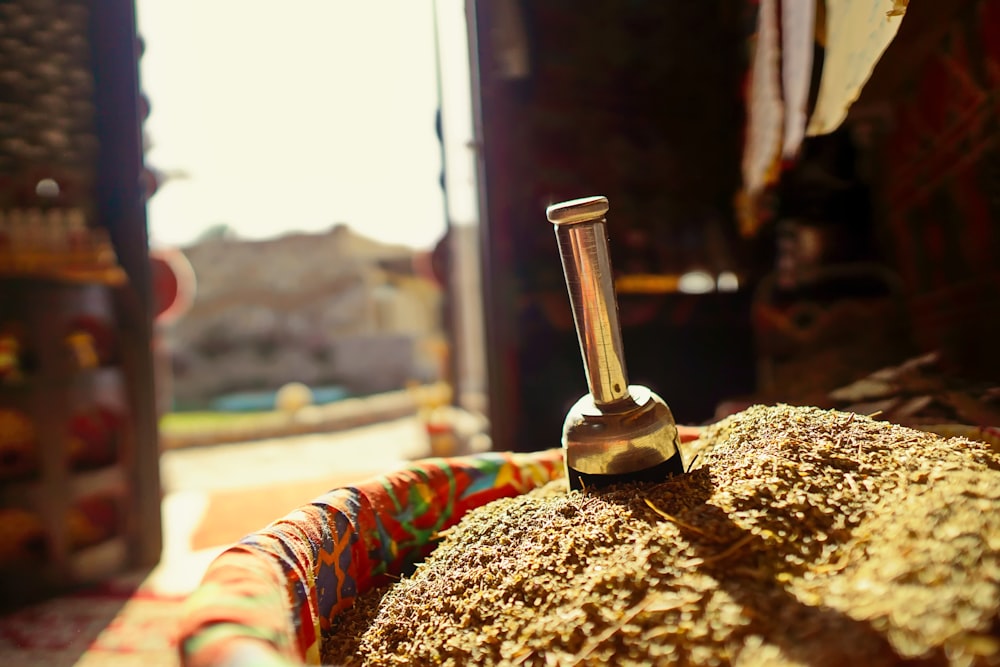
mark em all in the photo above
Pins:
pixel 941 165
pixel 275 593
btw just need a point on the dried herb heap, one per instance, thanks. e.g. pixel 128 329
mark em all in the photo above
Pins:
pixel 805 537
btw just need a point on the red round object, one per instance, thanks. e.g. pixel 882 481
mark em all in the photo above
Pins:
pixel 173 284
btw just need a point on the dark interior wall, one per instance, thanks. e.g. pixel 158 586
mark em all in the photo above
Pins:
pixel 639 101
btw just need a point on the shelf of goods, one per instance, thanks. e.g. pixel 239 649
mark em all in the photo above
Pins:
pixel 67 449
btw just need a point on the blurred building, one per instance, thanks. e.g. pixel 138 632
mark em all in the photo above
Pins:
pixel 333 308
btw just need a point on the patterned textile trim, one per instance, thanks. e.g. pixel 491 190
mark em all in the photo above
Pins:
pixel 280 587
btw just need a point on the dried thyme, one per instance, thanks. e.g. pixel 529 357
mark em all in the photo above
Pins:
pixel 807 537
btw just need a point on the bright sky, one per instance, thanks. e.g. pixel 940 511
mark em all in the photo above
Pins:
pixel 293 115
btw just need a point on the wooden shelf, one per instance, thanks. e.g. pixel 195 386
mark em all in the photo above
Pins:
pixel 17 389
pixel 20 492
pixel 52 397
pixel 32 580
pixel 99 561
pixel 109 480
pixel 106 375
pixel 48 308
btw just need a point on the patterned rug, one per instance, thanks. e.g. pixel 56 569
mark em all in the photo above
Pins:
pixel 132 620
pixel 118 624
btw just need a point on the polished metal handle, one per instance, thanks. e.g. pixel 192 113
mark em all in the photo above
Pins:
pixel 581 233
pixel 616 433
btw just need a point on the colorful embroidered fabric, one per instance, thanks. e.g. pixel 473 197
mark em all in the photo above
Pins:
pixel 282 585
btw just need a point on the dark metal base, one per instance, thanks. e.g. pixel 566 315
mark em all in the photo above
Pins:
pixel 580 480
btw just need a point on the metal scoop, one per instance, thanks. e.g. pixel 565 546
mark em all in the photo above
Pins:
pixel 618 432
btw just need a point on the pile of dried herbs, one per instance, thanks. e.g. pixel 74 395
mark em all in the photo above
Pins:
pixel 804 537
